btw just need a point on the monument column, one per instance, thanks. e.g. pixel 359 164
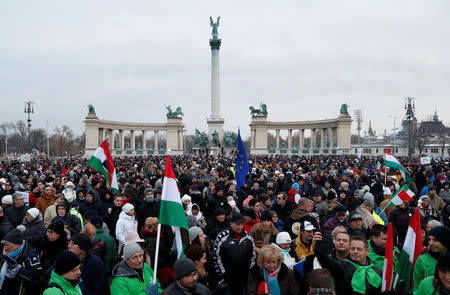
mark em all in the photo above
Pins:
pixel 215 121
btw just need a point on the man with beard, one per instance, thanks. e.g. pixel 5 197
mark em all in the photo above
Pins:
pixel 150 208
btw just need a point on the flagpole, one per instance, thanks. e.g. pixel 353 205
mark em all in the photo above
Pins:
pixel 158 237
pixel 385 174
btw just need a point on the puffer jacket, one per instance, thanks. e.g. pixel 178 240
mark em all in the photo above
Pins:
pixel 126 280
pixel 125 224
pixel 424 267
pixel 34 230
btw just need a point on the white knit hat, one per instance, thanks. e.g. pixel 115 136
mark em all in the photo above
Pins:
pixel 127 208
pixel 34 212
pixel 283 238
pixel 7 200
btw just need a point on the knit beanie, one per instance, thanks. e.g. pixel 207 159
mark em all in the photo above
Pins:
pixel 131 248
pixel 7 200
pixel 15 236
pixel 443 262
pixel 442 234
pixel 183 267
pixel 369 200
pixel 57 225
pixel 296 186
pixel 191 221
pixel 34 212
pixel 148 190
pixel 83 241
pixel 194 232
pixel 127 208
pixel 96 221
pixel 331 195
pixel 266 216
pixel 65 262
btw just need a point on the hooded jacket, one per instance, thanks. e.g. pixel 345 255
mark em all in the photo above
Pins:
pixel 34 230
pixel 126 280
pixel 424 267
pixel 125 224
pixel 64 284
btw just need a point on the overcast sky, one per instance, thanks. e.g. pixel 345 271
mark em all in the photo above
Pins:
pixel 302 58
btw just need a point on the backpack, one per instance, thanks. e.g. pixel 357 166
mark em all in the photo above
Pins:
pixel 55 285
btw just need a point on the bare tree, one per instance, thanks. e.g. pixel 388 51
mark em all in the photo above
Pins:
pixel 443 137
pixel 422 137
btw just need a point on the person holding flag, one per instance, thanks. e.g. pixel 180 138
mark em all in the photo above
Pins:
pixel 102 162
pixel 392 162
pixel 241 163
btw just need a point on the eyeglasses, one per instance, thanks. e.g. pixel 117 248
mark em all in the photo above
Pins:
pixel 71 244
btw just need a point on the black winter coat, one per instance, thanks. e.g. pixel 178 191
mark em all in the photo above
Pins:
pixel 16 215
pixel 285 278
pixel 174 289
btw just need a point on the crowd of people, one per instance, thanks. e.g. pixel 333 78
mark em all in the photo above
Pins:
pixel 299 225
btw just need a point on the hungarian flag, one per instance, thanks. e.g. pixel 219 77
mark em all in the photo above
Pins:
pixel 404 194
pixel 171 210
pixel 102 162
pixel 392 162
pixel 388 268
pixel 412 248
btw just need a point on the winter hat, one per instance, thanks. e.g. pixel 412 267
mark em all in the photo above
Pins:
pixel 148 190
pixel 250 212
pixel 283 238
pixel 316 182
pixel 146 180
pixel 296 186
pixel 131 180
pixel 237 217
pixel 131 248
pixel 191 220
pixel 219 211
pixel 133 236
pixel 331 195
pixel 387 191
pixel 266 216
pixel 57 225
pixel 443 262
pixel 183 267
pixel 34 212
pixel 127 208
pixel 96 221
pixel 308 226
pixel 65 262
pixel 15 236
pixel 186 198
pixel 369 200
pixel 7 200
pixel 340 209
pixel 194 232
pixel 354 216
pixel 83 241
pixel 442 234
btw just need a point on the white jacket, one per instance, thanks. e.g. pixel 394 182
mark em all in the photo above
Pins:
pixel 69 194
pixel 125 223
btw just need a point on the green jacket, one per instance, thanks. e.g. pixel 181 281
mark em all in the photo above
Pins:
pixel 126 282
pixel 425 267
pixel 64 284
pixel 378 260
pixel 426 287
pixel 111 249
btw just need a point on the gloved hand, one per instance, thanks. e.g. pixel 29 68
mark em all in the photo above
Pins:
pixel 152 289
pixel 11 272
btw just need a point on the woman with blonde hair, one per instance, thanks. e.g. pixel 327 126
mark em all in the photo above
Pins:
pixel 271 275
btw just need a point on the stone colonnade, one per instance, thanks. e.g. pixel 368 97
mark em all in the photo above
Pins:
pixel 98 130
pixel 335 135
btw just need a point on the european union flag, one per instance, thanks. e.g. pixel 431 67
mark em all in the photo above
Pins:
pixel 241 163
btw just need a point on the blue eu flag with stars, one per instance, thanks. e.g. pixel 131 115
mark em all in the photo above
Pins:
pixel 241 163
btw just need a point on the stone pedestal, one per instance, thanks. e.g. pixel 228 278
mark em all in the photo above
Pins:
pixel 91 134
pixel 174 141
pixel 259 131
pixel 215 124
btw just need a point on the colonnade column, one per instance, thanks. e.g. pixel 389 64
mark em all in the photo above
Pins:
pixel 277 139
pixel 330 137
pixel 313 138
pixel 289 139
pixel 322 138
pixel 121 139
pixel 111 139
pixel 180 140
pixel 144 140
pixel 301 135
pixel 156 140
pixel 132 140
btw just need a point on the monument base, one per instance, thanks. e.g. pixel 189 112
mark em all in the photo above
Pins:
pixel 214 150
pixel 215 125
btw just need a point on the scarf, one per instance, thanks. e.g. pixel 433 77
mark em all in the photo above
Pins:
pixel 362 273
pixel 271 282
pixel 11 255
pixel 288 260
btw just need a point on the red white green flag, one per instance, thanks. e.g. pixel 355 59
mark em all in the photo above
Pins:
pixel 388 268
pixel 171 210
pixel 102 162
pixel 412 248
pixel 403 194
pixel 392 162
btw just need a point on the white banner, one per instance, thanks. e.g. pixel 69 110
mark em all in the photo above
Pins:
pixel 425 160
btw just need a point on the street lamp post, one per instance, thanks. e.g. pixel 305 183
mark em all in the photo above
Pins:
pixel 395 133
pixel 29 109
